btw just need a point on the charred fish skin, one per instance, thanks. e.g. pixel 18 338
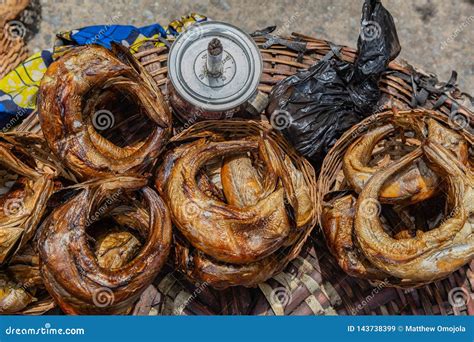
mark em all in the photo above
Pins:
pixel 71 133
pixel 70 269
pixel 430 255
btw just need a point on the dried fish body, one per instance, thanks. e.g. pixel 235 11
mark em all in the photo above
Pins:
pixel 242 183
pixel 70 122
pixel 200 267
pixel 227 233
pixel 429 255
pixel 21 284
pixel 449 139
pixel 417 182
pixel 256 177
pixel 29 176
pixel 116 249
pixel 243 187
pixel 13 298
pixel 403 238
pixel 337 221
pixel 73 275
pixel 305 205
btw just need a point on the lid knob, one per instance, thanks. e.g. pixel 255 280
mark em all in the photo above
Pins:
pixel 214 58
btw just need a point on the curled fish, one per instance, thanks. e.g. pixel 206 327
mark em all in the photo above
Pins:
pixel 429 255
pixel 74 96
pixel 337 221
pixel 225 232
pixel 247 232
pixel 417 182
pixel 71 270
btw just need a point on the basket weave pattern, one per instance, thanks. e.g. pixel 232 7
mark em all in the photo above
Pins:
pixel 312 283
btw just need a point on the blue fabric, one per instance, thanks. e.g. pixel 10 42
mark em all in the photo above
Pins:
pixel 106 34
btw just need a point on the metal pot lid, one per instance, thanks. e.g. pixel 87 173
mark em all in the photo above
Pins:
pixel 215 66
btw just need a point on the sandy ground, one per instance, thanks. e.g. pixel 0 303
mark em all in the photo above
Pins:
pixel 436 35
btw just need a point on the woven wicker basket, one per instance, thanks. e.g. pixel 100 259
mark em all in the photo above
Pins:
pixel 430 299
pixel 18 19
pixel 312 283
pixel 241 129
pixel 12 47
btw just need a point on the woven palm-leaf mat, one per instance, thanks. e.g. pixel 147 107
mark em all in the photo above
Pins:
pixel 299 290
pixel 18 22
pixel 313 284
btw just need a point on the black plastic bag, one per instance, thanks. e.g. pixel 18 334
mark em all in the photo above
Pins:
pixel 315 107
